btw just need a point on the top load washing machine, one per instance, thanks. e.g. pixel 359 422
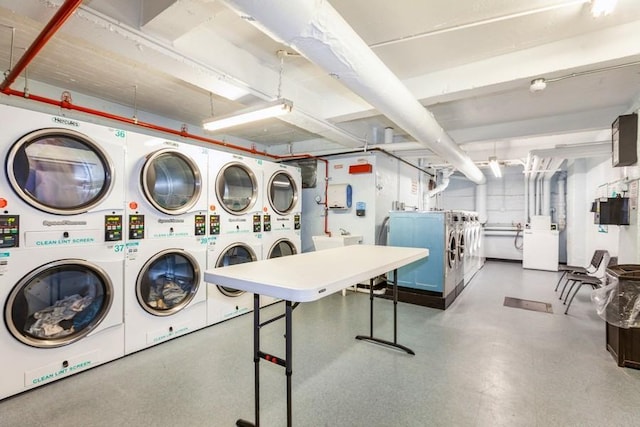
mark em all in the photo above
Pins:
pixel 235 225
pixel 166 247
pixel 61 258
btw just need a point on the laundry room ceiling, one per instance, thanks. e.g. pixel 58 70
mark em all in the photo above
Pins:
pixel 468 62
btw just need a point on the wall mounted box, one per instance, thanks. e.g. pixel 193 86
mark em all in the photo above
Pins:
pixel 361 168
pixel 624 140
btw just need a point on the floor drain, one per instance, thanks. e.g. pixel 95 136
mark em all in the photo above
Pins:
pixel 526 304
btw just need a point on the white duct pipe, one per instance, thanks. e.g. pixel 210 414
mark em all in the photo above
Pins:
pixel 527 167
pixel 533 174
pixel 554 165
pixel 562 202
pixel 388 135
pixel 444 182
pixel 317 31
pixel 481 202
pixel 543 166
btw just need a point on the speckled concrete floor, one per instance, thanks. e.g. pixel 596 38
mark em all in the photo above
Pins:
pixel 477 364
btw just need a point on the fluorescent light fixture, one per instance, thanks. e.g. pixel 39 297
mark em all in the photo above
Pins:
pixel 495 167
pixel 602 7
pixel 252 114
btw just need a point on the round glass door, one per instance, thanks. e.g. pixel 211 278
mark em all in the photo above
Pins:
pixel 168 282
pixel 171 181
pixel 58 303
pixel 452 251
pixel 282 247
pixel 283 193
pixel 461 243
pixel 235 254
pixel 236 188
pixel 59 171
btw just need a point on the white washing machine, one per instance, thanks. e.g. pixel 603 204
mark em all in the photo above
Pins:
pixel 61 315
pixel 275 245
pixel 165 291
pixel 235 226
pixel 283 198
pixel 61 247
pixel 224 303
pixel 166 240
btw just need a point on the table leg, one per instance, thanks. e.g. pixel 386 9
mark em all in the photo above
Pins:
pixel 256 364
pixel 288 356
pixel 395 319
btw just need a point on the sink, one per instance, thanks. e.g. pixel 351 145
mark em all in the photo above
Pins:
pixel 326 242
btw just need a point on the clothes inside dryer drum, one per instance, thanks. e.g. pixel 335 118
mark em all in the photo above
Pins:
pixel 236 188
pixel 171 181
pixel 59 171
pixel 58 303
pixel 283 193
pixel 235 254
pixel 168 282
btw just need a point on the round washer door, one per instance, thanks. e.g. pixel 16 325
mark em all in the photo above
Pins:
pixel 236 188
pixel 282 247
pixel 238 253
pixel 167 282
pixel 461 245
pixel 283 193
pixel 452 250
pixel 58 303
pixel 171 181
pixel 59 171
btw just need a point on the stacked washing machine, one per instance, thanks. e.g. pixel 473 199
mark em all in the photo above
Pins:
pixel 61 248
pixel 281 213
pixel 472 245
pixel 235 202
pixel 166 240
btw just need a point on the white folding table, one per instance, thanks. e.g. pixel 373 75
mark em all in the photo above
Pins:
pixel 308 277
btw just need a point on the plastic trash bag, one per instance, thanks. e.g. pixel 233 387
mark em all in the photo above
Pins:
pixel 618 303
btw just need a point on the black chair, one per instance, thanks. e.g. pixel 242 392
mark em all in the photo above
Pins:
pixel 596 259
pixel 584 279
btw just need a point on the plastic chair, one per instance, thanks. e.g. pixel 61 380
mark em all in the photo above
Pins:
pixel 596 259
pixel 583 279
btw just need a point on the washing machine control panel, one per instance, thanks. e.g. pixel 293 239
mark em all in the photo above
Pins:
pixel 200 225
pixel 266 222
pixel 296 222
pixel 136 227
pixel 214 225
pixel 257 223
pixel 112 228
pixel 9 231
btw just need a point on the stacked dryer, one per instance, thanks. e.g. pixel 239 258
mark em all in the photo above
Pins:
pixel 282 212
pixel 235 201
pixel 166 247
pixel 61 258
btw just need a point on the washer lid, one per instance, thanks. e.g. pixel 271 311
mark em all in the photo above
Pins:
pixel 171 181
pixel 59 171
pixel 283 192
pixel 236 188
pixel 58 303
pixel 167 282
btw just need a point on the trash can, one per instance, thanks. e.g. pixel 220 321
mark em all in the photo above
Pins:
pixel 622 313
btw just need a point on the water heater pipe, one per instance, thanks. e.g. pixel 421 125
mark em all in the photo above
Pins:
pixel 317 31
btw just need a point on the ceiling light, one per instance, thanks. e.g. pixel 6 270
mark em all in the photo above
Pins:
pixel 602 7
pixel 495 167
pixel 249 115
pixel 538 85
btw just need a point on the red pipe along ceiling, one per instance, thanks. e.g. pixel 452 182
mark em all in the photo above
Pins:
pixel 56 22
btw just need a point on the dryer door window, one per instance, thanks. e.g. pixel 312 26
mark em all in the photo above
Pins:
pixel 235 254
pixel 59 171
pixel 282 247
pixel 58 303
pixel 171 181
pixel 236 188
pixel 283 193
pixel 168 282
pixel 461 245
